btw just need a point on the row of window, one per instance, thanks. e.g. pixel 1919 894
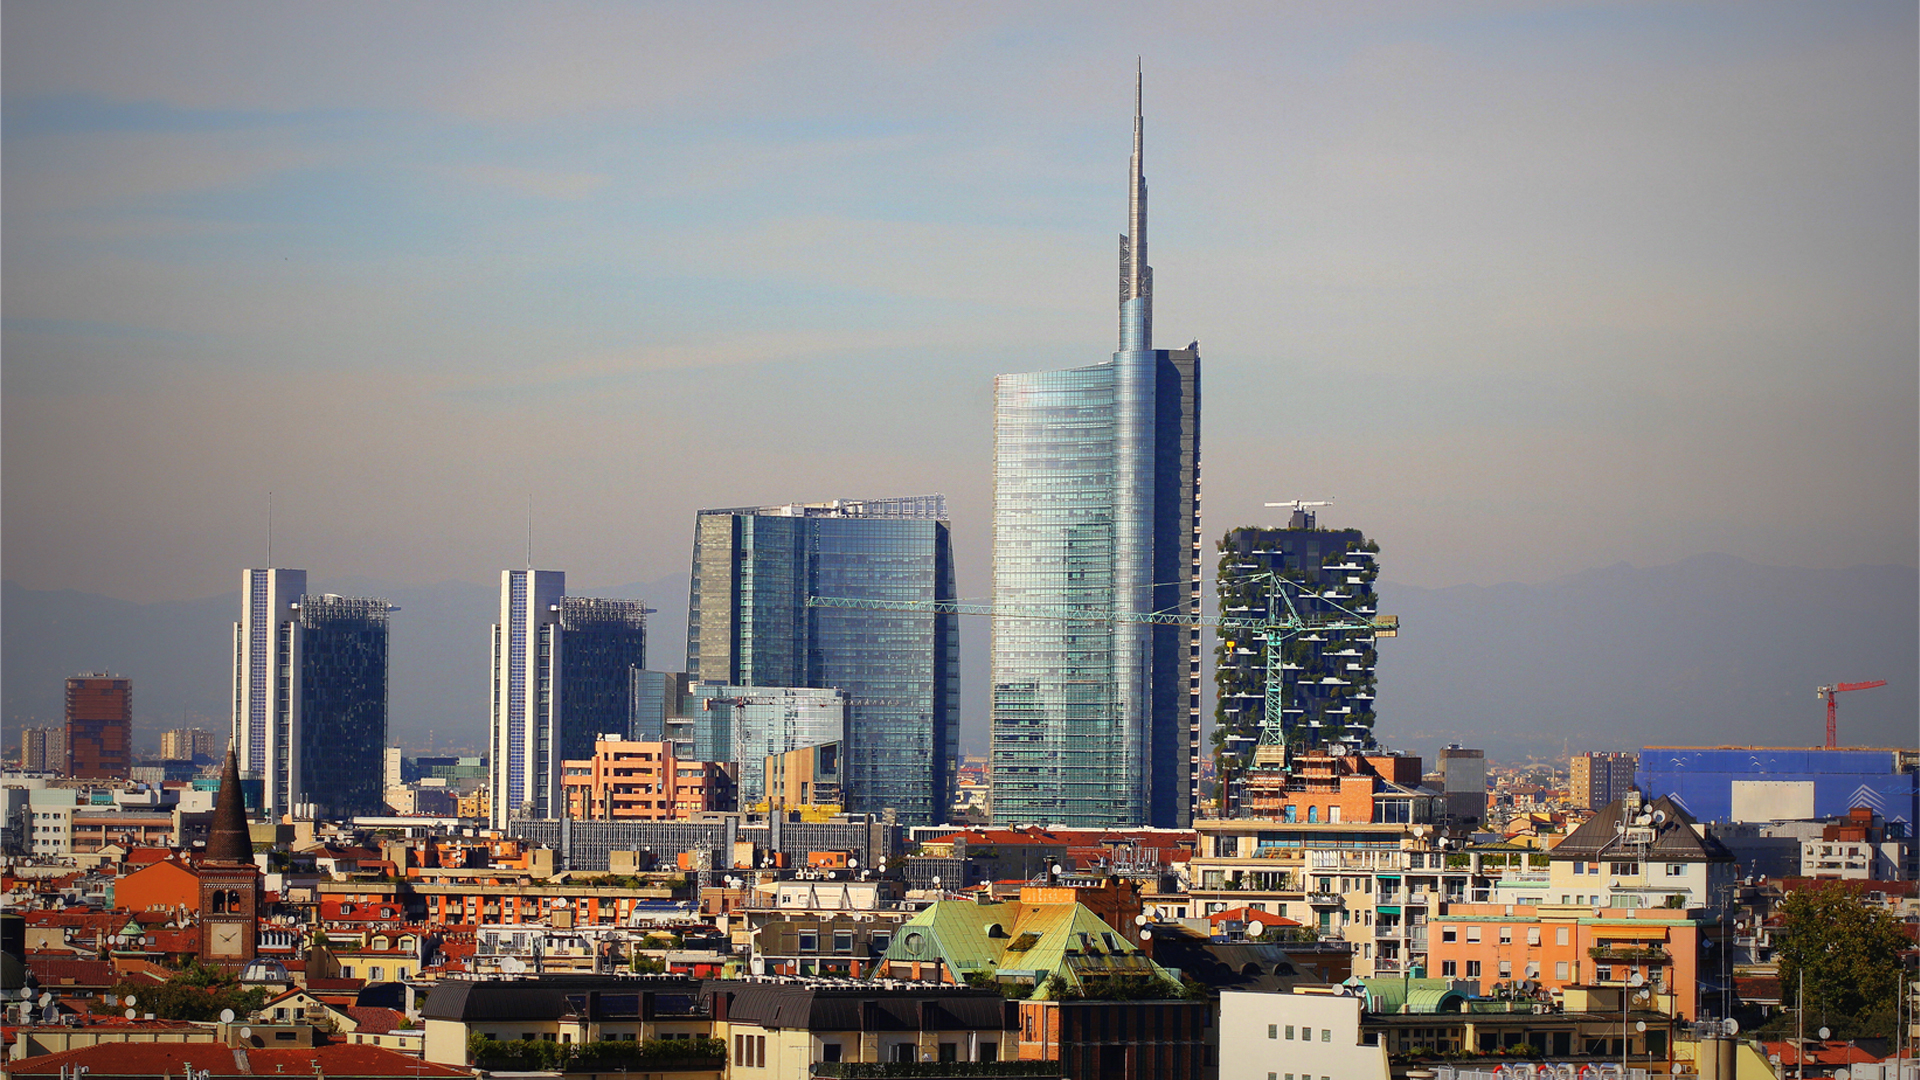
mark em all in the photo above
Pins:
pixel 1306 1033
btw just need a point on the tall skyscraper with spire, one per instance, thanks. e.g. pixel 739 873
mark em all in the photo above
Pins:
pixel 1096 504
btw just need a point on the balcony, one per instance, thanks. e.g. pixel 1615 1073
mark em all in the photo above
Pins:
pixel 1325 899
pixel 1646 954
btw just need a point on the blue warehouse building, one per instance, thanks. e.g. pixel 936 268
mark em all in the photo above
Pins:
pixel 1756 783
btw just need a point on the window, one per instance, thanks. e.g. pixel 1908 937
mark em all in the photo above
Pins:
pixel 989 1051
pixel 1289 1031
pixel 1506 969
pixel 376 973
pixel 843 941
pixel 1506 935
pixel 1313 815
pixel 949 1051
pixel 1449 968
pixel 1676 870
pixel 1306 1033
pixel 809 941
pixel 1449 933
pixel 1559 935
pixel 1560 971
pixel 1273 1031
pixel 760 1050
pixel 1326 1034
pixel 1473 935
pixel 1473 969
pixel 1533 935
pixel 1533 969
pixel 1579 868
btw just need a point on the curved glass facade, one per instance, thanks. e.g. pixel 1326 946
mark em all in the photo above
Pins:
pixel 1096 504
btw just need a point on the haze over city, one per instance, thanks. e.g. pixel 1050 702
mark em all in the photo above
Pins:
pixel 1526 289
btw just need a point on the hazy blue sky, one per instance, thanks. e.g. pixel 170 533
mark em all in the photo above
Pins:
pixel 1526 288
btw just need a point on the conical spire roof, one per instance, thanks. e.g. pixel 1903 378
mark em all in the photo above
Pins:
pixel 230 842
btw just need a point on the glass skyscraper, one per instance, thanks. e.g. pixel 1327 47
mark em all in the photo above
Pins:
pixel 749 626
pixel 1096 504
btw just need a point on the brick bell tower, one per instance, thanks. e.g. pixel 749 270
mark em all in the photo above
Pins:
pixel 229 881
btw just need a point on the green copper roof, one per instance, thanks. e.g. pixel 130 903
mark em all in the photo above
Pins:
pixel 1033 940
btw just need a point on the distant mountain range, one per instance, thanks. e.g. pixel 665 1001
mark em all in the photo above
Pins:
pixel 1710 650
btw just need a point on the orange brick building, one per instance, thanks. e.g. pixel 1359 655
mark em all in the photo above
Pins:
pixel 99 727
pixel 1566 946
pixel 159 886
pixel 642 781
pixel 1355 789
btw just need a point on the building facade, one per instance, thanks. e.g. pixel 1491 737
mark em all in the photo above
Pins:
pixel 99 733
pixel 1594 780
pixel 1096 506
pixel 1330 675
pixel 643 781
pixel 562 677
pixel 43 749
pixel 186 744
pixel 749 626
pixel 310 695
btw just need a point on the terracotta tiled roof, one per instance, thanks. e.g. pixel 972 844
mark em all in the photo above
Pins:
pixel 338 1061
pixel 373 1020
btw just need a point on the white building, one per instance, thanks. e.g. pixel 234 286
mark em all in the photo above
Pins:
pixel 266 684
pixel 1297 1036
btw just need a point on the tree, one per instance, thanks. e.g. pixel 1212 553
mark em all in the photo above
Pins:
pixel 1849 951
pixel 198 992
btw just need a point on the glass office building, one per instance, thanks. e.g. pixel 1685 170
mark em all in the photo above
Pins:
pixel 1097 505
pixel 749 626
pixel 343 704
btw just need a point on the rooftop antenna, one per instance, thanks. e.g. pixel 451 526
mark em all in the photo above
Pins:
pixel 269 530
pixel 529 530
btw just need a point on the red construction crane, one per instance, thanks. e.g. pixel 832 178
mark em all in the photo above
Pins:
pixel 1828 695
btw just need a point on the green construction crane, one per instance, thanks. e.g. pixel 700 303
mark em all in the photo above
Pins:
pixel 1283 622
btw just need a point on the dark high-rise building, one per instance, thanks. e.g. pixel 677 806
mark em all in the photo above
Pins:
pixel 1330 674
pixel 563 676
pixel 99 727
pixel 343 704
pixel 310 696
pixel 749 625
pixel 1096 504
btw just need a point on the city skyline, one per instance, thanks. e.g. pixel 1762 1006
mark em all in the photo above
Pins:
pixel 1586 249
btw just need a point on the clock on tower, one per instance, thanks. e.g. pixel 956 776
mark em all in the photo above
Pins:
pixel 229 881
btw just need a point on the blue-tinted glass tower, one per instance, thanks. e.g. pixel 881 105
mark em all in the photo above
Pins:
pixel 749 625
pixel 1097 504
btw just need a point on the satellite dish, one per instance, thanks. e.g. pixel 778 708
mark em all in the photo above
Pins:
pixel 246 1033
pixel 1140 920
pixel 1639 1025
pixel 1659 817
pixel 131 1014
pixel 1057 869
pixel 1256 928
pixel 853 864
pixel 226 1016
pixel 1843 1073
pixel 1732 1026
pixel 131 1000
pixel 1825 1032
pixel 1637 980
pixel 1146 935
pixel 47 999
